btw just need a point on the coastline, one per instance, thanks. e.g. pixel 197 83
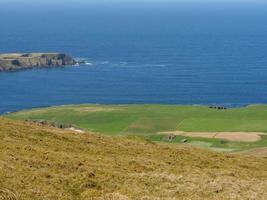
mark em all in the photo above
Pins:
pixel 126 104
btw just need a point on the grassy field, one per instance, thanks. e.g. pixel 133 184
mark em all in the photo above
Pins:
pixel 149 120
pixel 39 162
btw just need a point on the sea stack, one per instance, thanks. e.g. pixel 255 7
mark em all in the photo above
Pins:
pixel 19 61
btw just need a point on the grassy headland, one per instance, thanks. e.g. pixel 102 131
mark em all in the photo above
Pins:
pixel 19 61
pixel 150 120
pixel 38 162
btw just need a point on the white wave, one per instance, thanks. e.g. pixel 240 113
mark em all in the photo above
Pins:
pixel 154 65
pixel 83 61
pixel 104 63
pixel 123 63
pixel 80 58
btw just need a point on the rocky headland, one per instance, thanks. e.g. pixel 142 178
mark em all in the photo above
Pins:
pixel 20 61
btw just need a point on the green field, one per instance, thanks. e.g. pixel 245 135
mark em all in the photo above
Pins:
pixel 148 120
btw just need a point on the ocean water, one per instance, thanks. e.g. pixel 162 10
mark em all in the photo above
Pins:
pixel 171 54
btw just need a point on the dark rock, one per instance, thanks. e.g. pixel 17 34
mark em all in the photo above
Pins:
pixel 184 141
pixel 169 138
pixel 218 107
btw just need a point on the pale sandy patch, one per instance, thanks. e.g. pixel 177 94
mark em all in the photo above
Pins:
pixel 96 109
pixel 231 136
pixel 76 130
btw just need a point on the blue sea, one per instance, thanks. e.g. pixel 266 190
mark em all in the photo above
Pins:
pixel 173 53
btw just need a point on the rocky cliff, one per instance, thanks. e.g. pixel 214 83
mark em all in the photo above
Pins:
pixel 13 62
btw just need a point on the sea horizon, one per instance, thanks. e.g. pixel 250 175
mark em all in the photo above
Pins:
pixel 175 53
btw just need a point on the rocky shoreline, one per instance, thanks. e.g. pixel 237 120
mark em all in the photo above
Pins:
pixel 21 61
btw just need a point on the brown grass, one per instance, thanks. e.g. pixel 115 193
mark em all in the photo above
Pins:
pixel 44 163
pixel 259 152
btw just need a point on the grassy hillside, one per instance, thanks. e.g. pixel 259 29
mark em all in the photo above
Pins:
pixel 149 120
pixel 38 162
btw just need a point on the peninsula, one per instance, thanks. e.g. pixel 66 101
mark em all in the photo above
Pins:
pixel 19 61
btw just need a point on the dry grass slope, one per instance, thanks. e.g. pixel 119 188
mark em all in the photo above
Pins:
pixel 44 163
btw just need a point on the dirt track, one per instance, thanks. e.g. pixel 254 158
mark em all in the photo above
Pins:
pixel 231 136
